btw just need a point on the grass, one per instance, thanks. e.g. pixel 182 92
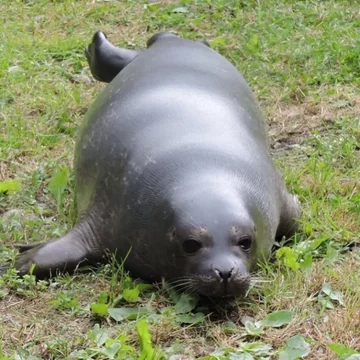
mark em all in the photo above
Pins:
pixel 302 59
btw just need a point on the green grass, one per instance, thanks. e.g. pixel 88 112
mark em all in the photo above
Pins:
pixel 302 59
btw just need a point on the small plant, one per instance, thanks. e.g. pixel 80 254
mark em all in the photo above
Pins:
pixel 344 352
pixel 9 186
pixel 57 185
pixel 65 301
pixel 25 285
pixel 118 348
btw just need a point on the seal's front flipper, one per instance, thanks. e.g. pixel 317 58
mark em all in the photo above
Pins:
pixel 290 213
pixel 105 59
pixel 203 41
pixel 61 255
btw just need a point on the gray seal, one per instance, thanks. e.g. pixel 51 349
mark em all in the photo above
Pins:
pixel 173 172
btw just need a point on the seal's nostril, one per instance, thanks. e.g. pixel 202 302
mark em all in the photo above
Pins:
pixel 225 274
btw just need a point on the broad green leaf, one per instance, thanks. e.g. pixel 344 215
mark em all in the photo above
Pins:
pixel 218 41
pixel 307 262
pixel 317 242
pixel 147 351
pixel 120 314
pixel 110 351
pixel 99 309
pixel 9 186
pixel 185 304
pixel 128 283
pixel 143 287
pixel 190 318
pixel 296 347
pixel 131 295
pixel 325 302
pixel 103 297
pixel 308 229
pixel 99 335
pixel 240 356
pixel 58 184
pixel 173 294
pixel 152 6
pixel 256 347
pixel 252 329
pixel 167 311
pixel 218 354
pixel 180 10
pixel 230 328
pixel 333 295
pixel 23 357
pixel 276 319
pixel 289 258
pixel 344 352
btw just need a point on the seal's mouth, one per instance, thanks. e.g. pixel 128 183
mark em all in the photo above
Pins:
pixel 238 290
pixel 212 286
pixel 236 284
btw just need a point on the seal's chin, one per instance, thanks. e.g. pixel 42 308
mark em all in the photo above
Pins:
pixel 236 286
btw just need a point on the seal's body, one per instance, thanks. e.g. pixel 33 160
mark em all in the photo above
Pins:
pixel 173 173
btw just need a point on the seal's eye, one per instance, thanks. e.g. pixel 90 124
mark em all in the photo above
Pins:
pixel 245 243
pixel 191 246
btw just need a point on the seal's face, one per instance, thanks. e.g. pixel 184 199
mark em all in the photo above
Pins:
pixel 218 247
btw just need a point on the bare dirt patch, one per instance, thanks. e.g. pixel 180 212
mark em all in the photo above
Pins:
pixel 291 124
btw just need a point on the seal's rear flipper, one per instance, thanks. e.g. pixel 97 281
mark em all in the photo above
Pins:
pixel 165 35
pixel 158 36
pixel 105 59
pixel 61 255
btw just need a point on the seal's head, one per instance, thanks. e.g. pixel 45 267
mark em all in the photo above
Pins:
pixel 216 236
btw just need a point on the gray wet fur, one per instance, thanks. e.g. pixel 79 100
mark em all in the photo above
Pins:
pixel 173 153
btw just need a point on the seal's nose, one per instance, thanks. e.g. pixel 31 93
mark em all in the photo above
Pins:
pixel 223 274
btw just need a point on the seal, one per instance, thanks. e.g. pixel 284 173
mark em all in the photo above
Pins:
pixel 173 172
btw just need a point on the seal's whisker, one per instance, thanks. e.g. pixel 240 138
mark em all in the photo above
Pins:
pixel 190 290
pixel 255 286
pixel 181 285
pixel 179 279
pixel 190 218
pixel 256 277
pixel 259 281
